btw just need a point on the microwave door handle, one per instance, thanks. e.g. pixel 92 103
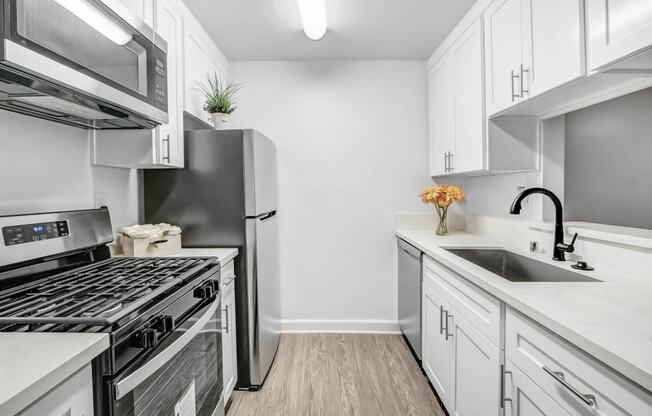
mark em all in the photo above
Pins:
pixel 133 380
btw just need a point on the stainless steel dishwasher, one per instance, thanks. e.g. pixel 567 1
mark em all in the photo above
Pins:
pixel 409 294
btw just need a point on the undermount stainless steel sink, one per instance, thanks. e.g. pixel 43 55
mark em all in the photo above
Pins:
pixel 517 268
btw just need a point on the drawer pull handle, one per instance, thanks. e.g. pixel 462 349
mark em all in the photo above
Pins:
pixel 588 399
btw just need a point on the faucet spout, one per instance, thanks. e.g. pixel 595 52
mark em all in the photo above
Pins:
pixel 559 248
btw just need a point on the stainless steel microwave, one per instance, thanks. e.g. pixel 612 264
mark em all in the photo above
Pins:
pixel 87 63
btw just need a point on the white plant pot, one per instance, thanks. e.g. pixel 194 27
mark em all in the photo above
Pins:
pixel 220 120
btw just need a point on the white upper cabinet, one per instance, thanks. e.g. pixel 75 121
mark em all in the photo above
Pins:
pixel 553 44
pixel 503 54
pixel 469 102
pixel 442 115
pixel 462 142
pixel 532 46
pixel 201 58
pixel 169 25
pixel 617 29
pixel 456 106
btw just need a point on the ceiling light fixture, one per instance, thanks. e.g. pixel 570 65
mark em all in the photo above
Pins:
pixel 97 20
pixel 313 17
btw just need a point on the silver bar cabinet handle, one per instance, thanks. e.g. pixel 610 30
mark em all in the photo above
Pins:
pixel 588 399
pixel 226 311
pixel 511 80
pixel 167 146
pixel 503 373
pixel 523 71
pixel 447 334
pixel 445 162
pixel 451 162
pixel 441 321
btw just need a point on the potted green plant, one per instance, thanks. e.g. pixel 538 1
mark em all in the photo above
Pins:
pixel 219 96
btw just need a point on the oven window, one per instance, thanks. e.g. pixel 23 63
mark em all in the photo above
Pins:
pixel 196 370
pixel 81 32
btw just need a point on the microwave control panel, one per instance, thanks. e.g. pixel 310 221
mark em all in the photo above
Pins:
pixel 160 81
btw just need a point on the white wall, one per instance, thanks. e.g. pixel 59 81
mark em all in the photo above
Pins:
pixel 352 151
pixel 45 166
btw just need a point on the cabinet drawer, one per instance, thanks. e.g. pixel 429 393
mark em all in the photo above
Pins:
pixel 481 309
pixel 524 398
pixel 544 357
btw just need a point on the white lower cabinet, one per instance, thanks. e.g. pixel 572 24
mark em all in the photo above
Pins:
pixel 73 397
pixel 462 364
pixel 575 381
pixel 437 352
pixel 464 332
pixel 229 346
pixel 476 363
pixel 522 397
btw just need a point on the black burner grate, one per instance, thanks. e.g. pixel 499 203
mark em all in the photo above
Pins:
pixel 98 294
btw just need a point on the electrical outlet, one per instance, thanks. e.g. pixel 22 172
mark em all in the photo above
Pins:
pixel 534 246
pixel 101 199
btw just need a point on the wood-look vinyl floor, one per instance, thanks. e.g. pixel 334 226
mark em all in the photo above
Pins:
pixel 341 375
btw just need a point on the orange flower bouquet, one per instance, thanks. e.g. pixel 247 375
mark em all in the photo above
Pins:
pixel 442 197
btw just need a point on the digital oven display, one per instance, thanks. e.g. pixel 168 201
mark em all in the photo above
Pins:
pixel 29 233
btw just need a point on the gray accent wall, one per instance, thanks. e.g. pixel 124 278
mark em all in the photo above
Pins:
pixel 608 162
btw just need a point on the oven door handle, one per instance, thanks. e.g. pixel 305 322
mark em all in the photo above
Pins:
pixel 133 380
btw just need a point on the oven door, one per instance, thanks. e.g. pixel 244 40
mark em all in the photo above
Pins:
pixel 97 47
pixel 183 375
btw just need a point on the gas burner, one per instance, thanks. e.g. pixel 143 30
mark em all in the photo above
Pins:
pixel 98 294
pixel 100 313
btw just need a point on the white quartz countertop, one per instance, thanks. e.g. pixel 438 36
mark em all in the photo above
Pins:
pixel 31 364
pixel 610 320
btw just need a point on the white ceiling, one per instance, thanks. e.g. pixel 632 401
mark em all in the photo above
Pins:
pixel 357 29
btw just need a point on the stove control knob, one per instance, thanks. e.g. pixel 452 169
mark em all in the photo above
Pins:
pixel 164 324
pixel 204 292
pixel 147 338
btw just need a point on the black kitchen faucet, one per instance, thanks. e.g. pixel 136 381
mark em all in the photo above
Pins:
pixel 559 248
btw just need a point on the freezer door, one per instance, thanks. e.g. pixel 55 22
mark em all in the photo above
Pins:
pixel 409 294
pixel 259 173
pixel 264 295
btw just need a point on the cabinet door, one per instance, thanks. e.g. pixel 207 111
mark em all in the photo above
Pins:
pixel 229 354
pixel 144 9
pixel 503 56
pixel 169 24
pixel 197 67
pixel 469 101
pixel 616 28
pixel 442 113
pixel 436 350
pixel 476 363
pixel 552 44
pixel 524 398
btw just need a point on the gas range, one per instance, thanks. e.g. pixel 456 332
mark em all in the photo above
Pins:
pixel 57 275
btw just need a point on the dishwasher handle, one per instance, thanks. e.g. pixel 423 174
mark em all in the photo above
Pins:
pixel 409 249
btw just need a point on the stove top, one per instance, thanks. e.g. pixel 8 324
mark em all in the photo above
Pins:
pixel 98 294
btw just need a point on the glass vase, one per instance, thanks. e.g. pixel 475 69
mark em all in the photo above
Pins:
pixel 442 228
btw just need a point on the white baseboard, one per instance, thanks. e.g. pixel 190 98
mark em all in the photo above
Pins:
pixel 370 326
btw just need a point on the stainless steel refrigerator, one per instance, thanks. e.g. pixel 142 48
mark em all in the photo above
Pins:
pixel 226 197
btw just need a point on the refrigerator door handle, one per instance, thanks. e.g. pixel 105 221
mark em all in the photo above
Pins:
pixel 267 216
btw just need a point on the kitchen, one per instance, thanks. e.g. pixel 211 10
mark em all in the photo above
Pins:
pixel 312 276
